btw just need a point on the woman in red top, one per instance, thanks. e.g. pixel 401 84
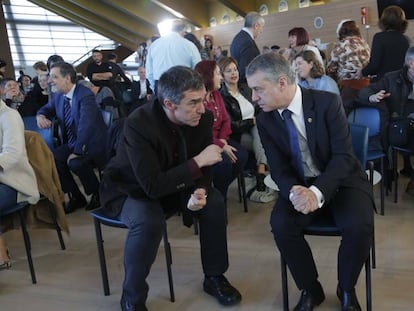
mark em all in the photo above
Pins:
pixel 234 155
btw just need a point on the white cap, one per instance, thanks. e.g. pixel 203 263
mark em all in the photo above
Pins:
pixel 340 25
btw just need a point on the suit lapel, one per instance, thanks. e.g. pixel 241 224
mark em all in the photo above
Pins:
pixel 308 107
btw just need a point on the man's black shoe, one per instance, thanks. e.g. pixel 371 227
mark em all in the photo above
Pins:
pixel 349 301
pixel 127 306
pixel 219 287
pixel 93 203
pixel 74 203
pixel 308 301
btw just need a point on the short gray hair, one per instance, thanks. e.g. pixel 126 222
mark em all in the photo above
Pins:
pixel 175 81
pixel 252 18
pixel 273 66
pixel 409 55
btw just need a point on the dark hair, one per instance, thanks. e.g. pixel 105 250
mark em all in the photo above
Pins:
pixel 53 59
pixel 96 51
pixel 348 29
pixel 308 56
pixel 40 66
pixel 225 61
pixel 393 18
pixel 275 47
pixel 302 36
pixel 191 37
pixel 206 69
pixel 112 56
pixel 2 63
pixel 175 81
pixel 65 70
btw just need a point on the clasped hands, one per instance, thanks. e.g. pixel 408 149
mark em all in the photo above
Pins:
pixel 303 199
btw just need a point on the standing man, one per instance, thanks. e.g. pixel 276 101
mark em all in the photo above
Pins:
pixel 163 164
pixel 243 47
pixel 117 71
pixel 83 131
pixel 307 140
pixel 168 51
pixel 99 72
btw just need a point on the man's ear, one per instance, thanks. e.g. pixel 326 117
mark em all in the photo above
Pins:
pixel 282 82
pixel 169 104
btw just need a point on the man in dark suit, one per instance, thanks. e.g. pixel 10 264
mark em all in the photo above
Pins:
pixel 83 135
pixel 243 47
pixel 141 91
pixel 327 178
pixel 163 164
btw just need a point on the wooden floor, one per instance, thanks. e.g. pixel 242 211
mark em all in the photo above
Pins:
pixel 71 280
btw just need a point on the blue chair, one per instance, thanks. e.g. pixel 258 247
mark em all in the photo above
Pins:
pixel 101 217
pixel 370 117
pixel 325 225
pixel 30 124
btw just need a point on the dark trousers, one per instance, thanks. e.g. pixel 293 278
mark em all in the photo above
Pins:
pixel 145 220
pixel 83 167
pixel 352 211
pixel 225 172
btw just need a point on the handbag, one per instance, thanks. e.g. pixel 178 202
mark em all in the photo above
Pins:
pixel 399 131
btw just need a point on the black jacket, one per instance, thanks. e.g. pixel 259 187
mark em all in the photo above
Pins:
pixel 238 125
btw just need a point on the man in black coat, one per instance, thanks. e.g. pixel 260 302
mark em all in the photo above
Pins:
pixel 161 165
pixel 327 178
pixel 243 47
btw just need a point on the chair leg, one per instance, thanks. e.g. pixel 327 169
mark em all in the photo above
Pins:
pixel 28 247
pixel 168 258
pixel 394 169
pixel 368 283
pixel 239 186
pixel 101 255
pixel 373 255
pixel 382 185
pixel 58 231
pixel 243 192
pixel 195 224
pixel 284 284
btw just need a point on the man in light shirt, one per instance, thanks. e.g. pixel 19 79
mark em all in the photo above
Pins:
pixel 169 51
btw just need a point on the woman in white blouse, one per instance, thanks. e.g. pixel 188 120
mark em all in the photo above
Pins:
pixel 17 178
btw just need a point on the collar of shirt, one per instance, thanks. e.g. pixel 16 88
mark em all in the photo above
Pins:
pixel 70 93
pixel 248 31
pixel 297 111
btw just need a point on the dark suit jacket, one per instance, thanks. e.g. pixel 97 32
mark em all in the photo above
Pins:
pixel 136 90
pixel 151 161
pixel 243 48
pixel 329 142
pixel 87 123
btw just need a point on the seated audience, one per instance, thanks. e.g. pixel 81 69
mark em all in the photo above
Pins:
pixel 234 155
pixel 393 95
pixel 298 39
pixel 83 134
pixel 314 165
pixel 162 165
pixel 311 74
pixel 238 101
pixel 17 178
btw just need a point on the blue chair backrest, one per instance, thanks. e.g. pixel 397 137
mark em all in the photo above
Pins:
pixel 359 136
pixel 30 124
pixel 107 117
pixel 368 116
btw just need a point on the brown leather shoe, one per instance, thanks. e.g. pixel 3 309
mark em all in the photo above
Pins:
pixel 410 187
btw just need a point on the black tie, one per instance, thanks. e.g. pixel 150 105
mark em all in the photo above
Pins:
pixel 294 142
pixel 68 121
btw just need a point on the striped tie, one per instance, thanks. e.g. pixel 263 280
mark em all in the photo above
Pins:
pixel 68 121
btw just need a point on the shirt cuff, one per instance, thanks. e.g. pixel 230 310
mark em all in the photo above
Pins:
pixel 195 171
pixel 319 195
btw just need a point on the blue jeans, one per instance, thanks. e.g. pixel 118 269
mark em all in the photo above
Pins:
pixel 8 197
